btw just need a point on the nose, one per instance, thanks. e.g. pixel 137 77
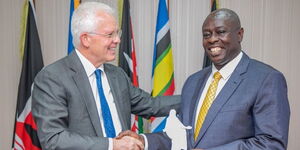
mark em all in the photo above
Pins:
pixel 117 39
pixel 213 38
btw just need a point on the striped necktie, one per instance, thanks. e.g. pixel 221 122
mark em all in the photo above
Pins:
pixel 208 100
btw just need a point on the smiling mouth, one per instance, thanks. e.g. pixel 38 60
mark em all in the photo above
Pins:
pixel 112 49
pixel 215 51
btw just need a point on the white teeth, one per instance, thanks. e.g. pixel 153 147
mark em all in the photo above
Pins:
pixel 215 49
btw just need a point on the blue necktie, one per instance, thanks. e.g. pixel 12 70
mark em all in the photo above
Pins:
pixel 108 123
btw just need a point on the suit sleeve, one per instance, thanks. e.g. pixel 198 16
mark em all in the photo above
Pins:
pixel 271 115
pixel 158 141
pixel 50 111
pixel 144 105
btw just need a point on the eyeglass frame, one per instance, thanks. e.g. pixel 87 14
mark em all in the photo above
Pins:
pixel 112 35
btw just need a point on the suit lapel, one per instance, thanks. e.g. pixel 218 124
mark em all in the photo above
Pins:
pixel 224 95
pixel 112 80
pixel 82 82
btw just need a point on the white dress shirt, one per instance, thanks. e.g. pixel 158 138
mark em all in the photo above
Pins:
pixel 226 72
pixel 90 71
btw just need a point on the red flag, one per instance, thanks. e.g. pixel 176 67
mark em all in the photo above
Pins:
pixel 127 58
pixel 25 135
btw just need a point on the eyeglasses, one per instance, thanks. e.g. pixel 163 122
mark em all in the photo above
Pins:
pixel 112 35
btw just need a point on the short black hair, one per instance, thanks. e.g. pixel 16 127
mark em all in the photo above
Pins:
pixel 227 14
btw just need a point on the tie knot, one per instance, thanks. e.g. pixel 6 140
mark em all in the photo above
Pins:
pixel 217 75
pixel 98 73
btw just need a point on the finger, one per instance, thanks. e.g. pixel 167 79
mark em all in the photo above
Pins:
pixel 136 147
pixel 122 134
pixel 138 143
pixel 129 133
pixel 134 142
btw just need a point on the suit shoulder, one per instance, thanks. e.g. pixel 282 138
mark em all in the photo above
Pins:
pixel 56 68
pixel 195 77
pixel 261 67
pixel 200 73
pixel 259 72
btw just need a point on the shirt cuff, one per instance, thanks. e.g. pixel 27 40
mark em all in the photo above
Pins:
pixel 110 144
pixel 146 142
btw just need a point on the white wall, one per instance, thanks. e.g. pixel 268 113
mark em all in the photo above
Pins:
pixel 271 35
pixel 10 68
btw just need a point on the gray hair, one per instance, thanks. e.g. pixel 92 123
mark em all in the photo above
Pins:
pixel 84 19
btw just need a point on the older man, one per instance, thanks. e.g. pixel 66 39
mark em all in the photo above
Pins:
pixel 80 102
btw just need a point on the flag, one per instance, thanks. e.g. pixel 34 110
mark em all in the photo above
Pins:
pixel 127 58
pixel 206 61
pixel 162 68
pixel 25 134
pixel 73 5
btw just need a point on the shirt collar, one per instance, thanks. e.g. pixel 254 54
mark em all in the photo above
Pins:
pixel 228 69
pixel 87 65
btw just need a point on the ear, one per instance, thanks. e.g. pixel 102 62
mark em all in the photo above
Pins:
pixel 241 34
pixel 85 40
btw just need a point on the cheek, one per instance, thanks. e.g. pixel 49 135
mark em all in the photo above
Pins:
pixel 204 43
pixel 108 42
pixel 103 48
pixel 226 39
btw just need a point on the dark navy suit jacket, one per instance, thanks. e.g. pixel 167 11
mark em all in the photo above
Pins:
pixel 250 112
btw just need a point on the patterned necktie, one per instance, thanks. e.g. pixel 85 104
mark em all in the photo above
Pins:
pixel 107 119
pixel 208 100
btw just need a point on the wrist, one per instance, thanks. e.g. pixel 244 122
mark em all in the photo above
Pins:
pixel 141 138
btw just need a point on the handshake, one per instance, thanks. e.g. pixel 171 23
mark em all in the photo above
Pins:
pixel 128 140
pixel 175 130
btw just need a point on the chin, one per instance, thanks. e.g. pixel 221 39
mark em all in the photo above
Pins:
pixel 216 61
pixel 221 63
pixel 111 59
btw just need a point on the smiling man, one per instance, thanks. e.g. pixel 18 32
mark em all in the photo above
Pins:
pixel 238 102
pixel 222 37
pixel 80 102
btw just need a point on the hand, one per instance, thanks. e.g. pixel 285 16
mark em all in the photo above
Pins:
pixel 127 143
pixel 131 134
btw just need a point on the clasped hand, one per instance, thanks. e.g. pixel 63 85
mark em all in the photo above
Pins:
pixel 128 140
